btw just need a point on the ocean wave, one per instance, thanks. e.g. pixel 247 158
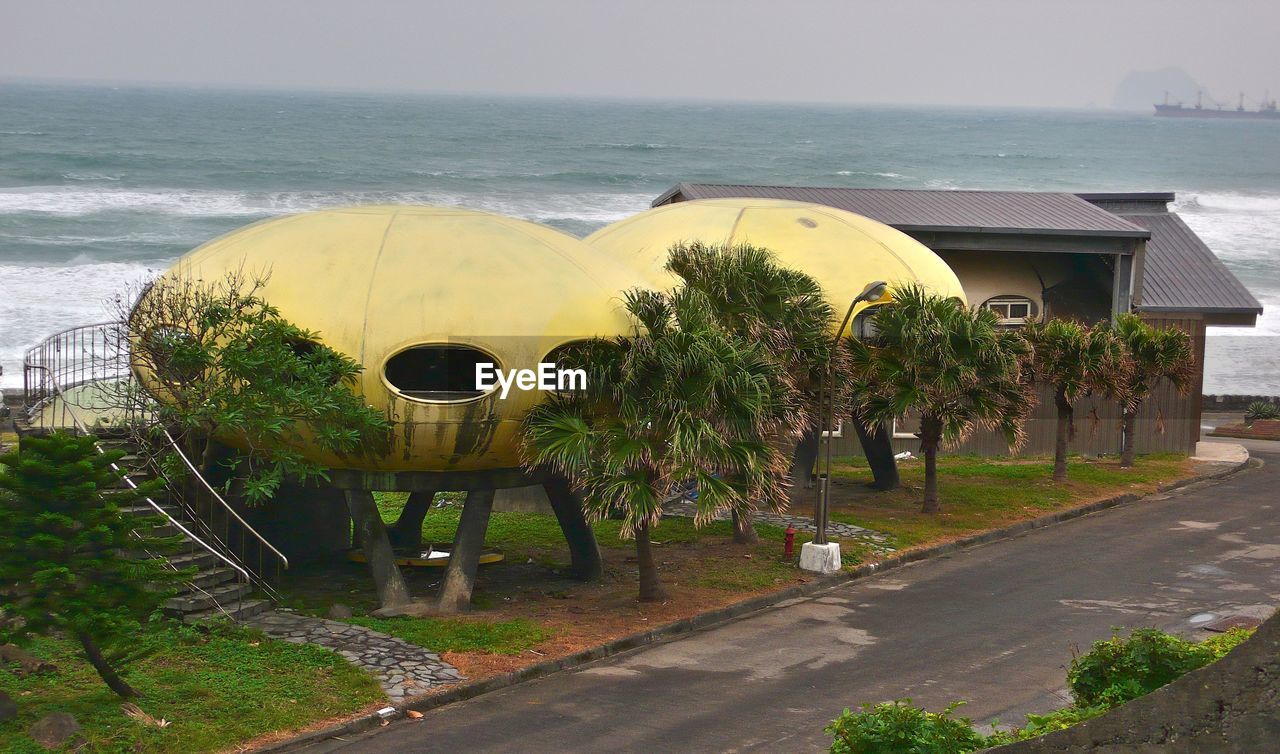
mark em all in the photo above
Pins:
pixel 130 239
pixel 583 206
pixel 76 201
pixel 41 300
pixel 637 146
pixel 1029 156
pixel 893 176
pixel 90 177
pixel 1226 202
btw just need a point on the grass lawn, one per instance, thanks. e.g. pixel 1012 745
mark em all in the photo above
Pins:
pixel 216 691
pixel 530 533
pixel 527 608
pixel 985 493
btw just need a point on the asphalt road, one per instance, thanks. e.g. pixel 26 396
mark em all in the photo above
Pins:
pixel 994 625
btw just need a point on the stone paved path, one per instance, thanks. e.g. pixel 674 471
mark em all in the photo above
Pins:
pixel 402 669
pixel 685 509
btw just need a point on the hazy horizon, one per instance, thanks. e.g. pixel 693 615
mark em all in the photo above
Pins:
pixel 160 85
pixel 988 53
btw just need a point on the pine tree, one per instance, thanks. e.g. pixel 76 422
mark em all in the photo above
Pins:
pixel 71 563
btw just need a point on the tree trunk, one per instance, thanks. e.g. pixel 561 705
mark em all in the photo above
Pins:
pixel 877 446
pixel 744 532
pixel 407 530
pixel 372 533
pixel 802 461
pixel 1065 418
pixel 1127 449
pixel 105 671
pixel 930 438
pixel 650 587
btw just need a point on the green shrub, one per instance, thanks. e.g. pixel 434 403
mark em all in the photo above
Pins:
pixel 1119 669
pixel 1040 725
pixel 1219 644
pixel 1261 410
pixel 897 727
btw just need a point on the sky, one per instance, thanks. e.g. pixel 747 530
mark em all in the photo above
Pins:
pixel 948 52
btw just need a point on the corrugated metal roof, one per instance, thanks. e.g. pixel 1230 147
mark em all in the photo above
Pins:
pixel 1013 212
pixel 1181 273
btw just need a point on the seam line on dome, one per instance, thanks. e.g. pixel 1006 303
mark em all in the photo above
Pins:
pixel 368 294
pixel 910 268
pixel 514 225
pixel 733 229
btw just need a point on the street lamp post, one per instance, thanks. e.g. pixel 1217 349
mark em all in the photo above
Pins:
pixel 824 556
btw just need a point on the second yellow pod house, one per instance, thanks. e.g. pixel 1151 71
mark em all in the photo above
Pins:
pixel 419 296
pixel 844 252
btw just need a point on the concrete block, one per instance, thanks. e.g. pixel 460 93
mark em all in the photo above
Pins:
pixel 817 558
pixel 531 499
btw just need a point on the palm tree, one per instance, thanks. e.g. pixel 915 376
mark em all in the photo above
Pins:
pixel 781 309
pixel 1152 354
pixel 1074 360
pixel 954 366
pixel 683 400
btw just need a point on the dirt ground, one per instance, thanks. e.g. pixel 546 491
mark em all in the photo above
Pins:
pixel 577 615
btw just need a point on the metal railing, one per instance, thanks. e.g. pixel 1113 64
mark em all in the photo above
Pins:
pixel 86 372
pixel 259 543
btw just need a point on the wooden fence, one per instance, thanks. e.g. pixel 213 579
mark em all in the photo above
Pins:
pixel 1167 422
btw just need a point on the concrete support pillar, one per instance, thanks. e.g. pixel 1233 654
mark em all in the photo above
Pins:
pixel 584 552
pixel 464 558
pixel 877 446
pixel 407 530
pixel 802 461
pixel 372 533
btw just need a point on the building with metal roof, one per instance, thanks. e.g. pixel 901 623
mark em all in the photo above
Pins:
pixel 1083 256
pixel 1179 272
pixel 1164 266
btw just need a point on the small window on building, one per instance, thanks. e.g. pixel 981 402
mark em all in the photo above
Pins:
pixel 569 362
pixel 306 350
pixel 1012 310
pixel 437 372
pixel 173 354
pixel 906 427
pixel 864 326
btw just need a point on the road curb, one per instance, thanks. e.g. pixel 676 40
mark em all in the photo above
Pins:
pixel 729 613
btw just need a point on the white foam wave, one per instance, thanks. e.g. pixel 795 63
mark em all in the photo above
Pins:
pixel 1193 202
pixel 41 300
pixel 1244 231
pixel 894 176
pixel 90 177
pixel 76 201
pixel 130 239
pixel 639 146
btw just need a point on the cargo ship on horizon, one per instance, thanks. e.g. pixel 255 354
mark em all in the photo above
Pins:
pixel 1266 109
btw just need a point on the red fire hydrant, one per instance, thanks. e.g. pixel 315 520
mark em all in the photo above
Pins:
pixel 788 543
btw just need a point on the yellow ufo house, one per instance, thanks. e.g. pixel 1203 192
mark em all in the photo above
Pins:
pixel 419 296
pixel 844 252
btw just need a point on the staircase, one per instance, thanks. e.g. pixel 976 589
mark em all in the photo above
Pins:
pixel 217 589
pixel 63 388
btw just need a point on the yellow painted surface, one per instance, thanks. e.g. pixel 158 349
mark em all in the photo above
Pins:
pixel 989 274
pixel 374 280
pixel 842 251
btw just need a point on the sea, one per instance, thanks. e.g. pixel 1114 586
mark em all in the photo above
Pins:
pixel 103 187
